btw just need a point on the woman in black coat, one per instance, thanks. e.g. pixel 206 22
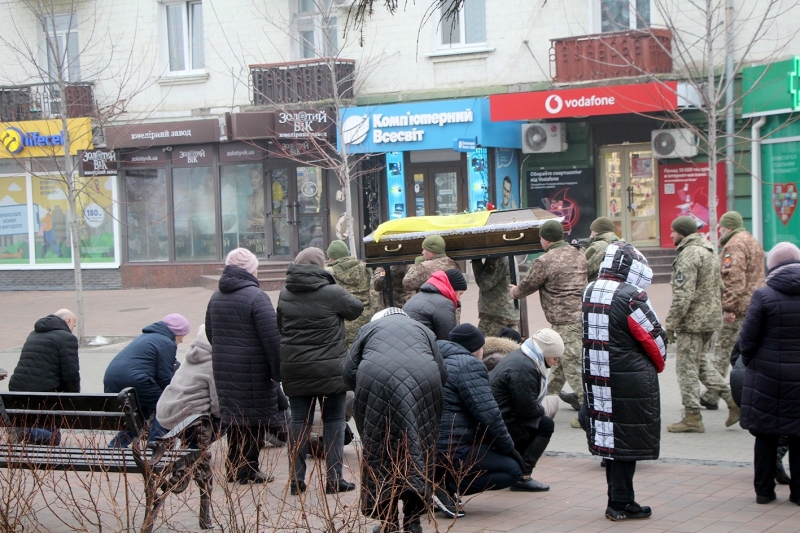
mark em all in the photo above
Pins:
pixel 397 373
pixel 769 342
pixel 624 350
pixel 435 305
pixel 312 309
pixel 242 329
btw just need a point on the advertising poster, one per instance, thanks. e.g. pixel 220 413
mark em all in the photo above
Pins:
pixel 506 166
pixel 51 230
pixel 95 203
pixel 395 185
pixel 478 170
pixel 684 192
pixel 781 180
pixel 13 221
pixel 566 193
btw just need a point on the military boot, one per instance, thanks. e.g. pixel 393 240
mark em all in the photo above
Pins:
pixel 733 413
pixel 692 423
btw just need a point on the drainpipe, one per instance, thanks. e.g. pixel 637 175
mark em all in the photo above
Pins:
pixel 755 180
pixel 729 115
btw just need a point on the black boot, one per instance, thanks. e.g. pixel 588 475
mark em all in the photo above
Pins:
pixel 780 472
pixel 529 485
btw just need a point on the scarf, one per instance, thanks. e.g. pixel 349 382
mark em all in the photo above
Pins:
pixel 389 311
pixel 530 349
pixel 730 234
pixel 442 283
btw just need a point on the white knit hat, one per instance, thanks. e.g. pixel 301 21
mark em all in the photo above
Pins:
pixel 549 342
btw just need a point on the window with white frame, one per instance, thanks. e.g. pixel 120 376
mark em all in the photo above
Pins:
pixel 185 36
pixel 621 15
pixel 463 23
pixel 61 42
pixel 317 29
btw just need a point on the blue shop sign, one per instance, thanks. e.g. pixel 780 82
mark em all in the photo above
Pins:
pixel 425 126
pixel 465 145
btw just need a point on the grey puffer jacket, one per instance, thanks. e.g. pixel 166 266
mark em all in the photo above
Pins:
pixel 244 337
pixel 312 309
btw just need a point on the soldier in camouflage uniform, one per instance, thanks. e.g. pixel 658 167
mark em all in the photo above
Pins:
pixel 399 295
pixel 560 277
pixel 695 313
pixel 742 267
pixel 354 276
pixel 433 248
pixel 495 309
pixel 602 235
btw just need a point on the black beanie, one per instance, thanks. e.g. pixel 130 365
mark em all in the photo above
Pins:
pixel 457 279
pixel 510 333
pixel 467 336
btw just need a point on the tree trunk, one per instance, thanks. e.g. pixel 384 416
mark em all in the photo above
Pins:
pixel 348 205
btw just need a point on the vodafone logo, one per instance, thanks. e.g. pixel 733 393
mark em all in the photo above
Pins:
pixel 553 104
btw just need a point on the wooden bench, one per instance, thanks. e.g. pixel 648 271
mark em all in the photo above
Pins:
pixel 166 465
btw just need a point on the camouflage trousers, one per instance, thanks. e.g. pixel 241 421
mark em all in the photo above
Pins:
pixel 694 366
pixel 569 368
pixel 726 338
pixel 490 326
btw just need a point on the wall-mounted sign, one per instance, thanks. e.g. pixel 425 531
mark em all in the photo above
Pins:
pixel 255 125
pixel 193 155
pixel 586 101
pixel 242 152
pixel 780 163
pixel 167 133
pixel 43 138
pixel 98 163
pixel 303 125
pixel 146 157
pixel 567 193
pixel 684 192
pixel 465 145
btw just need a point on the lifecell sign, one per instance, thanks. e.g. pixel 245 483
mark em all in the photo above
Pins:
pixel 586 101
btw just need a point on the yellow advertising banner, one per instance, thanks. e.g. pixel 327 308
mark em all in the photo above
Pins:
pixel 43 138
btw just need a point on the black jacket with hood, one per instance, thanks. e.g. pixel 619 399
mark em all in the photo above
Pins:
pixel 312 309
pixel 241 327
pixel 49 359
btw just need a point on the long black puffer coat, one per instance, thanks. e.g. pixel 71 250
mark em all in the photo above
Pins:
pixel 312 309
pixel 242 329
pixel 770 344
pixel 397 373
pixel 516 384
pixel 471 416
pixel 624 349
pixel 49 359
pixel 433 310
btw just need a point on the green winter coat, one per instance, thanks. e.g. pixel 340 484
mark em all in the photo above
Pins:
pixel 597 250
pixel 354 276
pixel 696 287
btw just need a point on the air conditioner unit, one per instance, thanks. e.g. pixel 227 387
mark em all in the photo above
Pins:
pixel 544 138
pixel 675 143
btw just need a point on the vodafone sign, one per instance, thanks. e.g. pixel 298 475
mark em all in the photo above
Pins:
pixel 588 101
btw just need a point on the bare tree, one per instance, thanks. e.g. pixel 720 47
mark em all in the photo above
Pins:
pixel 54 63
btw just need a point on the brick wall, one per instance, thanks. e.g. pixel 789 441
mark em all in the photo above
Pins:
pixel 58 280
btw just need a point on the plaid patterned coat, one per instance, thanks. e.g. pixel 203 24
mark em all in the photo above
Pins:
pixel 624 349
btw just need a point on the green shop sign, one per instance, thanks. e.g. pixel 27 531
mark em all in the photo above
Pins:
pixel 771 89
pixel 781 180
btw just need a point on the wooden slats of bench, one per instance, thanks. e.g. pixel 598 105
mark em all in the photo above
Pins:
pixel 113 460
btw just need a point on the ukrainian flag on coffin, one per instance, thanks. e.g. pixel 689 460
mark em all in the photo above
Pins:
pixel 431 223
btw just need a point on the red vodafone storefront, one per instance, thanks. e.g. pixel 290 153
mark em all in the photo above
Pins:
pixel 589 152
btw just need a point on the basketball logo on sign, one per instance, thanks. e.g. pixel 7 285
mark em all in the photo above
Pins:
pixel 12 140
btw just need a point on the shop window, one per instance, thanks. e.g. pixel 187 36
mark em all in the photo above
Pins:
pixel 317 29
pixel 14 240
pixel 194 211
pixel 462 23
pixel 60 35
pixel 242 195
pixel 146 206
pixel 184 24
pixel 620 15
pixel 95 203
pixel 51 221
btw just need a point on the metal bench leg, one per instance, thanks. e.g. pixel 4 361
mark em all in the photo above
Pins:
pixel 204 478
pixel 153 505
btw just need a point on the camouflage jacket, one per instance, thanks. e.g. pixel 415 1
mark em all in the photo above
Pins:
pixel 560 277
pixel 493 276
pixel 399 295
pixel 696 287
pixel 419 274
pixel 742 267
pixel 354 276
pixel 597 250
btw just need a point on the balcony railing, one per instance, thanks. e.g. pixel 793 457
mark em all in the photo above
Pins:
pixel 43 101
pixel 301 81
pixel 611 55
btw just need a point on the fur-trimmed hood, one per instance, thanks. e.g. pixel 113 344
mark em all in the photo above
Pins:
pixel 495 349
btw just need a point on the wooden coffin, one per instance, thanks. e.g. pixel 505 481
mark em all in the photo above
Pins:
pixel 514 232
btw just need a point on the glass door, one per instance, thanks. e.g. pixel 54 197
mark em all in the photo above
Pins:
pixel 630 197
pixel 296 220
pixel 308 209
pixel 445 193
pixel 279 221
pixel 435 191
